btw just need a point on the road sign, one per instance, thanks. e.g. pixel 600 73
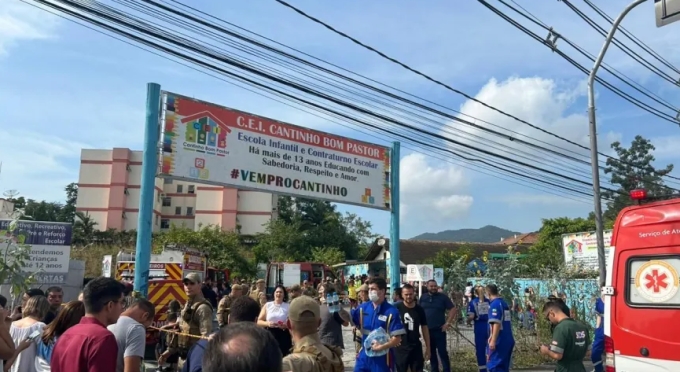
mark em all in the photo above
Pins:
pixel 667 11
pixel 419 273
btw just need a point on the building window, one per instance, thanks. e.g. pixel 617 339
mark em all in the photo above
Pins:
pixel 190 189
pixel 190 211
pixel 165 223
pixel 157 220
pixel 178 211
pixel 167 201
pixel 180 189
pixel 167 181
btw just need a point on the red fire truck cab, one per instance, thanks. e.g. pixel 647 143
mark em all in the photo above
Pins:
pixel 642 297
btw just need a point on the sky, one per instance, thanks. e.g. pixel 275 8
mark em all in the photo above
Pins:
pixel 64 87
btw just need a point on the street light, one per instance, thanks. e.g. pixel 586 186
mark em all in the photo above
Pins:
pixel 667 11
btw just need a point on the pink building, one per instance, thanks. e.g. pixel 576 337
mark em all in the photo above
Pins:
pixel 109 186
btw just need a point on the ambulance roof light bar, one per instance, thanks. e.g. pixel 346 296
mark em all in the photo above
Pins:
pixel 638 194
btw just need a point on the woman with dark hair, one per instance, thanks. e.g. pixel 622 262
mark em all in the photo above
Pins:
pixel 273 316
pixel 69 316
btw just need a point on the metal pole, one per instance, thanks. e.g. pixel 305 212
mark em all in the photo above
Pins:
pixel 147 188
pixel 593 142
pixel 395 256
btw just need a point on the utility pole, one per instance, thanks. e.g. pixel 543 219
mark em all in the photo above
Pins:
pixel 593 142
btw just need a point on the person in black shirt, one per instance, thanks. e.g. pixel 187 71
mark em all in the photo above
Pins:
pixel 409 355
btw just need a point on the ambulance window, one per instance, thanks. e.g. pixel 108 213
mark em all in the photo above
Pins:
pixel 653 281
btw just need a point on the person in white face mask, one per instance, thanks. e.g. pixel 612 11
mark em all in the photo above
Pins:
pixel 372 315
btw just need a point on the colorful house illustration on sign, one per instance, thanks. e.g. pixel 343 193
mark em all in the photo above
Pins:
pixel 206 129
pixel 574 246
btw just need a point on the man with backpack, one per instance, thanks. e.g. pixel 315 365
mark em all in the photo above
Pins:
pixel 309 354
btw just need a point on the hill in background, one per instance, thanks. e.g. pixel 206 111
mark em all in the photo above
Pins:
pixel 486 234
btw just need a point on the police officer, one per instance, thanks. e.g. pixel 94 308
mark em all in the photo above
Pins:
pixel 478 312
pixel 598 341
pixel 259 288
pixel 369 316
pixel 501 341
pixel 225 304
pixel 309 353
pixel 196 317
pixel 570 340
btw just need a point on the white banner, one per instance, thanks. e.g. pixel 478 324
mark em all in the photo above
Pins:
pixel 291 275
pixel 218 145
pixel 581 248
pixel 419 273
pixel 50 244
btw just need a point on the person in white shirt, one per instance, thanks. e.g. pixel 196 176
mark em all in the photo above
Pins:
pixel 130 333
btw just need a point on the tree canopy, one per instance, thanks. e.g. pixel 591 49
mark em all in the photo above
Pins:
pixel 633 168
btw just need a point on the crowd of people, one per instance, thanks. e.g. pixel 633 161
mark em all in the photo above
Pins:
pixel 296 330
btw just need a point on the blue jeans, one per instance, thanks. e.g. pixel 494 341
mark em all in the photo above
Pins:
pixel 438 346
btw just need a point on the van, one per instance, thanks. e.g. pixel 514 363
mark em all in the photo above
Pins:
pixel 642 300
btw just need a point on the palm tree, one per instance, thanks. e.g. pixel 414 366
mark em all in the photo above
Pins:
pixel 83 228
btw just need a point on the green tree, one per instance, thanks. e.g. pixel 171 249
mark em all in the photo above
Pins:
pixel 448 257
pixel 223 248
pixel 547 254
pixel 633 169
pixel 361 231
pixel 282 241
pixel 84 229
pixel 68 211
pixel 328 255
pixel 14 255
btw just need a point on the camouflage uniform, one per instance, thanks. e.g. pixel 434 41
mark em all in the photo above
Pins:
pixel 196 319
pixel 309 353
pixel 223 308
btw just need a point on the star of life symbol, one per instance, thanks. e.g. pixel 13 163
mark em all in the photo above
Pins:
pixel 657 281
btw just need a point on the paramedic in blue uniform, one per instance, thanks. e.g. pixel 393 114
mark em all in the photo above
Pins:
pixel 501 341
pixel 374 314
pixel 598 341
pixel 478 312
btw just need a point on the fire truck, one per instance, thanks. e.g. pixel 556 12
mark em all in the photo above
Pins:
pixel 166 272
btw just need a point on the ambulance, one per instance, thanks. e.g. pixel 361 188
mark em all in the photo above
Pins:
pixel 642 297
pixel 167 270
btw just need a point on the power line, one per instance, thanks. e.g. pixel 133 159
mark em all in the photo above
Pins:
pixel 355 93
pixel 623 47
pixel 604 83
pixel 633 38
pixel 241 78
pixel 614 72
pixel 518 181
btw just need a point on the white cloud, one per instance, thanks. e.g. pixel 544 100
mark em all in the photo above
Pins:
pixel 38 166
pixel 541 102
pixel 667 147
pixel 432 193
pixel 22 22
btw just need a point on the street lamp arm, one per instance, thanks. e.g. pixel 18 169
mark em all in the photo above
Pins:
pixel 605 46
pixel 595 165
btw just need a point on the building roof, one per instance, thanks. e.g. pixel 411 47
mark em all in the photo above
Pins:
pixel 528 238
pixel 416 251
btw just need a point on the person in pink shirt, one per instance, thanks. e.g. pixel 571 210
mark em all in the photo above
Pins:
pixel 89 346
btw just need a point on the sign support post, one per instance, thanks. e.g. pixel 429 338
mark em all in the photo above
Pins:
pixel 147 189
pixel 395 259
